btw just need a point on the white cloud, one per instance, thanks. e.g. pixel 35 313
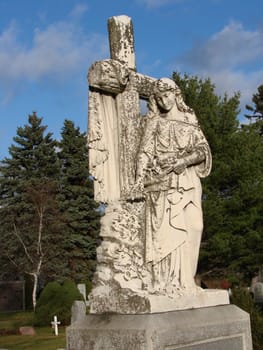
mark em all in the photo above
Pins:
pixel 231 58
pixel 232 46
pixel 79 10
pixel 57 52
pixel 234 81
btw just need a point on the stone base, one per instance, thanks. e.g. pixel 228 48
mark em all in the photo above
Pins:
pixel 204 298
pixel 214 328
pixel 124 301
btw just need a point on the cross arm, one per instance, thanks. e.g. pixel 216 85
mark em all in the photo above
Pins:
pixel 113 77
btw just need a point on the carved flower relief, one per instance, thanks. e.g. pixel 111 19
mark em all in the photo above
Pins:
pixel 122 248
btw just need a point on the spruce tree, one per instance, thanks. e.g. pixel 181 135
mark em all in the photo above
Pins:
pixel 257 109
pixel 30 225
pixel 77 203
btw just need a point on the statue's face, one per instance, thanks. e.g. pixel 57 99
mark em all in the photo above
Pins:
pixel 166 100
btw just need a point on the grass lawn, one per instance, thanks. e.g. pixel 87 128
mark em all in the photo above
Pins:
pixel 43 340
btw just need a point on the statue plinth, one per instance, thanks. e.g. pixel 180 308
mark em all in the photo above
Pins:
pixel 221 328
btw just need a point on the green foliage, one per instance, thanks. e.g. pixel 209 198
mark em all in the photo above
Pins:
pixel 49 220
pixel 256 111
pixel 244 300
pixel 29 215
pixel 56 300
pixel 77 203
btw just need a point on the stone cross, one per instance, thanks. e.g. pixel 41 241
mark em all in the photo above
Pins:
pixel 114 113
pixel 147 171
pixel 55 324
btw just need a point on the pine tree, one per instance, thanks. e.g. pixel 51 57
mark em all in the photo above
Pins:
pixel 257 109
pixel 30 225
pixel 77 203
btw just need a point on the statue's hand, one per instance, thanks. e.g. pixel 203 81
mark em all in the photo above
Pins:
pixel 167 164
pixel 180 166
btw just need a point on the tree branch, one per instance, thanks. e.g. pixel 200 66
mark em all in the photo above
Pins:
pixel 23 244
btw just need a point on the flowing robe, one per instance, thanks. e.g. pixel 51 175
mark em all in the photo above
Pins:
pixel 174 220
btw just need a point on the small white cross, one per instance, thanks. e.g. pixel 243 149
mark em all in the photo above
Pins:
pixel 55 324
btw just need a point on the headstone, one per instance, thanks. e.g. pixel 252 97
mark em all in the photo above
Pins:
pixel 26 330
pixel 82 289
pixel 78 311
pixel 147 170
pixel 258 292
pixel 12 296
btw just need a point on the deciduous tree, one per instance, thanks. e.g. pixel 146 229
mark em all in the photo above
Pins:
pixel 29 217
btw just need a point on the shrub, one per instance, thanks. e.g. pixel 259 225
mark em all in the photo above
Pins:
pixel 56 299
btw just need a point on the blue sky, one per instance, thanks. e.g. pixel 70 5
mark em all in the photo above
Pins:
pixel 47 46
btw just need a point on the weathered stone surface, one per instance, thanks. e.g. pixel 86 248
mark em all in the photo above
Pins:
pixel 108 75
pixel 214 328
pixel 117 299
pixel 112 76
pixel 82 289
pixel 122 40
pixel 147 170
pixel 27 330
pixel 78 311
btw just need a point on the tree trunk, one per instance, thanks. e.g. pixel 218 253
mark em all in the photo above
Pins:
pixel 34 292
pixel 36 275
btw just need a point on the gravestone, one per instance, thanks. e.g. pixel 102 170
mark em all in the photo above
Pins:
pixel 82 289
pixel 258 293
pixel 12 296
pixel 147 170
pixel 78 311
pixel 27 330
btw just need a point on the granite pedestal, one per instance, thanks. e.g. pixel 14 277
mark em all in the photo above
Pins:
pixel 213 328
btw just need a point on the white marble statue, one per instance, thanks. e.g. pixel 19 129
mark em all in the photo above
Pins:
pixel 147 170
pixel 173 155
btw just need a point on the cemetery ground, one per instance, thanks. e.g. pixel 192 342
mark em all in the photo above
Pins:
pixel 44 339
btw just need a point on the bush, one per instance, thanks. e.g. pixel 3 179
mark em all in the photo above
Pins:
pixel 56 299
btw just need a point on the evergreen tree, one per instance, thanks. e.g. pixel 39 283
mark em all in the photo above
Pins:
pixel 257 109
pixel 77 203
pixel 30 225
